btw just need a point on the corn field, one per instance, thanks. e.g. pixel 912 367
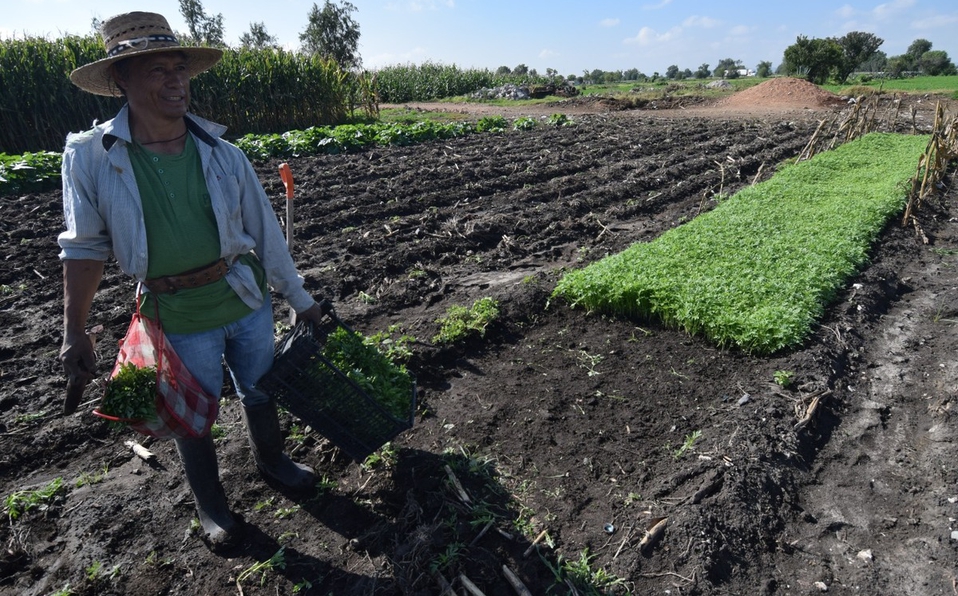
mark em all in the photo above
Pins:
pixel 249 91
pixel 402 83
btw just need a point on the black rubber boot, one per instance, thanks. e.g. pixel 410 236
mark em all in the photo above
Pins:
pixel 262 425
pixel 220 528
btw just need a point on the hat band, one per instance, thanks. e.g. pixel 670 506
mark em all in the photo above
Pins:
pixel 139 44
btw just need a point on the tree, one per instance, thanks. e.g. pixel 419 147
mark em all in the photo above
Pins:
pixel 520 70
pixel 686 74
pixel 332 33
pixel 918 48
pixel 877 62
pixel 672 72
pixel 815 59
pixel 631 74
pixel 764 69
pixel 204 29
pixel 857 47
pixel 728 67
pixel 703 72
pixel 935 63
pixel 257 38
pixel 503 71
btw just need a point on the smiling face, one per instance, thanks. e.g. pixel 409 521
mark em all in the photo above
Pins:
pixel 157 86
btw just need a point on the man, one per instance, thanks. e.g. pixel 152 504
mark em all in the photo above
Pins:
pixel 184 214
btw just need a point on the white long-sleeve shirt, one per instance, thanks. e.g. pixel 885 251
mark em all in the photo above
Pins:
pixel 103 212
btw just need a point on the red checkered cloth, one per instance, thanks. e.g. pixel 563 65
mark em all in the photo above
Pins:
pixel 183 408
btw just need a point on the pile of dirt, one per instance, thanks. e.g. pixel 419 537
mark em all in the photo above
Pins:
pixel 783 93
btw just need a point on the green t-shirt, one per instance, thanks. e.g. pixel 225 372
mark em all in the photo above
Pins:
pixel 181 235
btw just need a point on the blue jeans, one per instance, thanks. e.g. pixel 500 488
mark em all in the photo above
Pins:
pixel 247 346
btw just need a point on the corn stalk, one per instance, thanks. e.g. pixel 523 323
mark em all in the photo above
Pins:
pixel 941 152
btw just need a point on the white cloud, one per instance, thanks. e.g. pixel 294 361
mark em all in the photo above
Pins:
pixel 661 4
pixel 420 5
pixel 890 9
pixel 609 22
pixel 704 22
pixel 548 54
pixel 648 36
pixel 936 22
pixel 846 12
pixel 740 30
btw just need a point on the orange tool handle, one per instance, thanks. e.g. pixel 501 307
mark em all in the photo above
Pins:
pixel 287 175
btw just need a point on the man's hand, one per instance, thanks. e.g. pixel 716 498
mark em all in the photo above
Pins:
pixel 80 280
pixel 316 312
pixel 79 363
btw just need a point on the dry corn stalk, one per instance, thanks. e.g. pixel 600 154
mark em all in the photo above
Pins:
pixel 942 150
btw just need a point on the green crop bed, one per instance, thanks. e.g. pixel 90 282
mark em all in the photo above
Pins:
pixel 758 270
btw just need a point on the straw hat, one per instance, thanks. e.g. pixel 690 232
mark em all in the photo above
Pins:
pixel 136 34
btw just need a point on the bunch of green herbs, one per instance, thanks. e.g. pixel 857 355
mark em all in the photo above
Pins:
pixel 131 393
pixel 362 361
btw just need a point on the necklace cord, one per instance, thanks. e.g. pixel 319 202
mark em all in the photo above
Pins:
pixel 166 140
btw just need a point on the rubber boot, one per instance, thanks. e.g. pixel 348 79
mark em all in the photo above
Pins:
pixel 220 528
pixel 262 425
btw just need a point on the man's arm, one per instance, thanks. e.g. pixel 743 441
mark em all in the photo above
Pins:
pixel 81 278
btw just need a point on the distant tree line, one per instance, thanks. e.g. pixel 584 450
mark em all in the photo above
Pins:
pixel 820 60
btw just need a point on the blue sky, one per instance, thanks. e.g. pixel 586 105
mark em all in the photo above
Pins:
pixel 567 36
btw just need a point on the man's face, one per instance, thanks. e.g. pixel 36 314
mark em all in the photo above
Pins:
pixel 157 85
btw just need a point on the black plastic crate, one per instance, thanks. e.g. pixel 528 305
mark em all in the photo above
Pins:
pixel 313 389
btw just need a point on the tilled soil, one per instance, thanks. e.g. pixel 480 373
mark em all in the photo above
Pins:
pixel 556 421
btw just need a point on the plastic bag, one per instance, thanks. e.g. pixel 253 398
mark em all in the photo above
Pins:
pixel 183 408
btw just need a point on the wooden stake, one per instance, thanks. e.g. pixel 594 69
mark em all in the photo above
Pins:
pixel 538 539
pixel 469 586
pixel 515 582
pixel 653 534
pixel 463 495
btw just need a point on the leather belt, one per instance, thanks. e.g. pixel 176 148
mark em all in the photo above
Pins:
pixel 193 278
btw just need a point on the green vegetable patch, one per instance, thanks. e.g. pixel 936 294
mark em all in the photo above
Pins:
pixel 759 269
pixel 360 359
pixel 131 393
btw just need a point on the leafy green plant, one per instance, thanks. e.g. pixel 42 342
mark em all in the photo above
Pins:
pixel 66 590
pixel 93 570
pixel 447 558
pixel 589 362
pixel 301 586
pixel 386 457
pixel 784 378
pixel 394 348
pixel 491 124
pixel 559 120
pixel 30 417
pixel 217 431
pixel 154 560
pixel 21 501
pixel 687 444
pixel 325 485
pixel 361 360
pixel 131 393
pixel 524 123
pixel 580 574
pixel 277 561
pixel 28 172
pixel 284 512
pixel 88 478
pixel 460 322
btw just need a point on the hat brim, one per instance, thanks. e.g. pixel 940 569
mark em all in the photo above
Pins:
pixel 95 77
